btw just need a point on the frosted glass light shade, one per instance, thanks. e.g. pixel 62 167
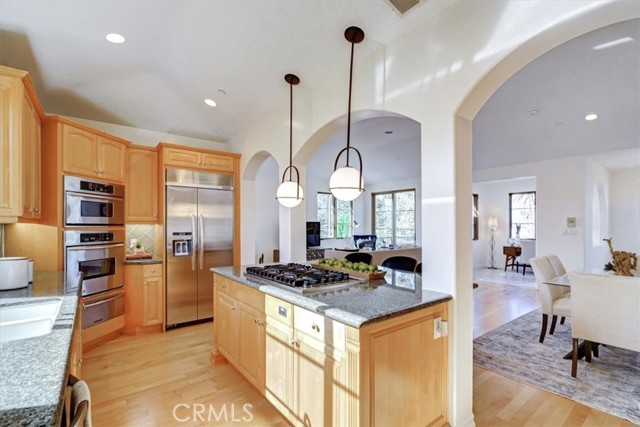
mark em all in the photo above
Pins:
pixel 346 184
pixel 289 194
pixel 493 222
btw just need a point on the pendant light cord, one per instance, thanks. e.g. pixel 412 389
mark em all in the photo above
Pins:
pixel 349 110
pixel 290 130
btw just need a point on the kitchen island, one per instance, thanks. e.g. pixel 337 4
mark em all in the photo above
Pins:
pixel 33 371
pixel 367 354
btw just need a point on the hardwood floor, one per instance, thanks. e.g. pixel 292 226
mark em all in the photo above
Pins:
pixel 138 381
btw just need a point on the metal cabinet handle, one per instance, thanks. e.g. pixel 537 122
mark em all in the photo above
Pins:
pixel 294 342
pixel 233 309
pixel 145 283
pixel 315 327
pixel 224 285
pixel 37 210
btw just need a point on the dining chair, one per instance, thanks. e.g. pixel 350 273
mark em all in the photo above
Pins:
pixel 419 268
pixel 400 262
pixel 553 299
pixel 359 257
pixel 605 311
pixel 557 265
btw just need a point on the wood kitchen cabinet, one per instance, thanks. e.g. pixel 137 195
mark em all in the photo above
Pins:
pixel 194 159
pixel 142 185
pixel 239 321
pixel 320 372
pixel 144 298
pixel 20 124
pixel 93 155
pixel 75 359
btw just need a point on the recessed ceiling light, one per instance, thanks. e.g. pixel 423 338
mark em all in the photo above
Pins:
pixel 590 117
pixel 222 92
pixel 534 112
pixel 210 102
pixel 115 38
pixel 388 132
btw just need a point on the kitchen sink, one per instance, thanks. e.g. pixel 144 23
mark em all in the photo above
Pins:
pixel 28 320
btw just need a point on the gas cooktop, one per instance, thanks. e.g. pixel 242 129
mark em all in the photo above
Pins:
pixel 301 276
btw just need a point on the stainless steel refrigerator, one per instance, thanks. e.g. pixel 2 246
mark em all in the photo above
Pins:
pixel 199 235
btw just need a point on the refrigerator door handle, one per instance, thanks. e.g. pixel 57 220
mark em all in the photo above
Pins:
pixel 201 237
pixel 195 244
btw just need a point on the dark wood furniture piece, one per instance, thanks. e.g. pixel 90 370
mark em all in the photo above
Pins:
pixel 511 253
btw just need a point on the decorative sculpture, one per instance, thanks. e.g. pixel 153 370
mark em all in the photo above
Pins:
pixel 622 263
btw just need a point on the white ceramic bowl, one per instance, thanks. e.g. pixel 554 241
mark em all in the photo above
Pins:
pixel 14 273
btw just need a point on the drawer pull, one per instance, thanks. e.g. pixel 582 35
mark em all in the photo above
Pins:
pixel 294 342
pixel 315 327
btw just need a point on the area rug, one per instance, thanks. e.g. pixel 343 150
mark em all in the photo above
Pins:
pixel 611 383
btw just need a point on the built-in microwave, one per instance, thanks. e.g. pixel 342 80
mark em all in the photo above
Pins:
pixel 92 203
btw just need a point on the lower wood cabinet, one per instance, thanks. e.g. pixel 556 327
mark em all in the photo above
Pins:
pixel 75 359
pixel 144 298
pixel 240 325
pixel 320 372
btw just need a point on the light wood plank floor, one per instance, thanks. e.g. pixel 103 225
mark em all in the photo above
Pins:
pixel 138 381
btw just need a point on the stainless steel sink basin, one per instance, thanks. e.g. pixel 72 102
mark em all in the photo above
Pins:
pixel 28 320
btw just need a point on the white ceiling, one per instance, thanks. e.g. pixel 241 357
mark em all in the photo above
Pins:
pixel 178 53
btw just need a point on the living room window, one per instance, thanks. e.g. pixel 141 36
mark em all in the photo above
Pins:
pixel 522 215
pixel 394 218
pixel 335 217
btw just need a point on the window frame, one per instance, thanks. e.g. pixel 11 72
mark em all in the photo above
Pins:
pixel 334 216
pixel 535 214
pixel 393 213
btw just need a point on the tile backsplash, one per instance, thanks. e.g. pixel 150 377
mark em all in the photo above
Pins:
pixel 142 232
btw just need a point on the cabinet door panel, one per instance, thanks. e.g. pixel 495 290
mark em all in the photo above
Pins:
pixel 215 162
pixel 279 369
pixel 112 156
pixel 315 386
pixel 142 186
pixel 226 327
pixel 10 91
pixel 177 157
pixel 152 301
pixel 30 160
pixel 251 345
pixel 79 151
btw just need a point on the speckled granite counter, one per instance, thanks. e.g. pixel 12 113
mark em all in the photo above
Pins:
pixel 154 260
pixel 33 370
pixel 398 293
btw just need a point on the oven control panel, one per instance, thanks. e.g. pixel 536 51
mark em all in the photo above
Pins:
pixel 96 187
pixel 96 237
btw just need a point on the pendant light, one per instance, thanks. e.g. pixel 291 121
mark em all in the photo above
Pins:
pixel 289 192
pixel 346 182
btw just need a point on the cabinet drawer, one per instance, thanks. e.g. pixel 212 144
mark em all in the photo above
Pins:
pixel 224 285
pixel 152 270
pixel 279 310
pixel 323 329
pixel 251 297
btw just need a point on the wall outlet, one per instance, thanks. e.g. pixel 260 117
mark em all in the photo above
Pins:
pixel 440 328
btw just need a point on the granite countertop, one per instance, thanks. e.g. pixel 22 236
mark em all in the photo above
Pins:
pixel 153 260
pixel 357 305
pixel 33 371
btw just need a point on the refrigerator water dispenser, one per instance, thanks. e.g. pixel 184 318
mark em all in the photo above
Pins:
pixel 182 248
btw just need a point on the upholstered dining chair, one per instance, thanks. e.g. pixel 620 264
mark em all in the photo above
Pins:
pixel 400 262
pixel 419 268
pixel 553 299
pixel 557 265
pixel 359 257
pixel 604 310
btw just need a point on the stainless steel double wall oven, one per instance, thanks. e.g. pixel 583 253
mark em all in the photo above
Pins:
pixel 94 239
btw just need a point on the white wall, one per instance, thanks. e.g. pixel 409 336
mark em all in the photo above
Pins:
pixel 267 229
pixel 559 186
pixel 493 200
pixel 625 210
pixel 151 138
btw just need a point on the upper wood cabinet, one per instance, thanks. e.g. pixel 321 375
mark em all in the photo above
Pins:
pixel 20 116
pixel 142 185
pixel 31 207
pixel 198 160
pixel 91 155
